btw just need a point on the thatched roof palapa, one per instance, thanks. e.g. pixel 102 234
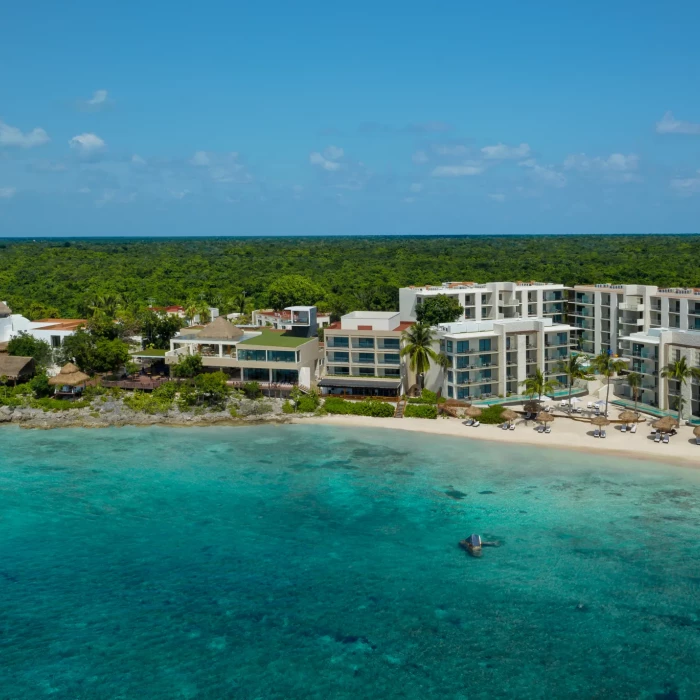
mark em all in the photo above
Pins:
pixel 666 425
pixel 600 420
pixel 509 415
pixel 220 329
pixel 473 411
pixel 696 431
pixel 544 417
pixel 14 367
pixel 69 375
pixel 629 416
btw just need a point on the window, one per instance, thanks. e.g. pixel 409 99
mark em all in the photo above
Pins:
pixel 252 355
pixel 392 372
pixel 485 374
pixel 340 357
pixel 450 393
pixel 339 370
pixel 450 376
pixel 484 344
pixel 462 346
pixel 392 343
pixel 462 362
pixel 285 376
pixel 366 357
pixel 338 341
pixel 256 374
pixel 484 360
pixel 462 377
pixel 486 389
pixel 55 341
pixel 365 342
pixel 281 356
pixel 366 371
pixel 442 346
pixel 462 392
pixel 392 358
pixel 448 345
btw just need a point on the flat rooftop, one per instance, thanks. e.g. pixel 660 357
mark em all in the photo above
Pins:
pixel 276 339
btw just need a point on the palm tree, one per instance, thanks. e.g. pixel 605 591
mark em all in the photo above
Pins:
pixel 572 367
pixel 607 365
pixel 679 371
pixel 106 303
pixel 418 346
pixel 196 307
pixel 634 382
pixel 537 384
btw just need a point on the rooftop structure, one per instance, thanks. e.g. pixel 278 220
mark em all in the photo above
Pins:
pixel 16 368
pixel 491 300
pixel 282 320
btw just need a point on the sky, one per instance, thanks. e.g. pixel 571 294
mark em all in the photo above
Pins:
pixel 318 118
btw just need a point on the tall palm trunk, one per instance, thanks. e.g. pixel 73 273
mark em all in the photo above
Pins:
pixel 607 396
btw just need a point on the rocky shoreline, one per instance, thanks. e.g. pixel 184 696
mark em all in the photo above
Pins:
pixel 113 413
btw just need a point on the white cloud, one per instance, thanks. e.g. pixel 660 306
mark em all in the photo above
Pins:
pixel 617 162
pixel 670 125
pixel 323 162
pixel 497 197
pixel 457 170
pixel 420 157
pixel 7 192
pixel 333 152
pixel 136 159
pixel 99 97
pixel 502 152
pixel 12 136
pixel 87 143
pixel 416 187
pixel 200 159
pixel 545 173
pixel 687 186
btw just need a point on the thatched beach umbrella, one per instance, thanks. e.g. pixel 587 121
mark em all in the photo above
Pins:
pixel 696 431
pixel 473 411
pixel 544 417
pixel 509 415
pixel 666 425
pixel 600 421
pixel 69 375
pixel 629 417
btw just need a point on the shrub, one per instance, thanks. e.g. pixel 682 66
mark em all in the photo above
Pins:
pixel 57 404
pixel 426 397
pixel 420 411
pixel 252 390
pixel 368 407
pixel 493 415
pixel 307 404
pixel 148 403
pixel 287 407
pixel 233 411
pixel 187 367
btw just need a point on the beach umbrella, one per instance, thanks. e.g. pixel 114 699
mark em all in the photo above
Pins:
pixel 666 425
pixel 600 420
pixel 628 416
pixel 696 431
pixel 544 417
pixel 69 375
pixel 473 411
pixel 509 415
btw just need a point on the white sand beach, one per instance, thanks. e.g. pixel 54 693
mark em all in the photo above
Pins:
pixel 566 434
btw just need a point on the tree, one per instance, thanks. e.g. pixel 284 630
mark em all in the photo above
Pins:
pixel 572 367
pixel 106 304
pixel 212 389
pixel 37 310
pixel 25 345
pixel 157 329
pixel 187 367
pixel 293 290
pixel 608 366
pixel 94 353
pixel 418 348
pixel 3 380
pixel 679 371
pixel 537 384
pixel 197 307
pixel 442 308
pixel 634 381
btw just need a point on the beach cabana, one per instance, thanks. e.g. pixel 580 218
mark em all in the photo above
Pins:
pixel 69 381
pixel 666 424
pixel 473 412
pixel 544 418
pixel 509 416
pixel 600 422
pixel 16 368
pixel 629 416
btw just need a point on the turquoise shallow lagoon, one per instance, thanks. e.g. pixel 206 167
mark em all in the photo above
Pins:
pixel 319 562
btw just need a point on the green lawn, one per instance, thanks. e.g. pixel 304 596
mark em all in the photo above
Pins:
pixel 149 353
pixel 270 339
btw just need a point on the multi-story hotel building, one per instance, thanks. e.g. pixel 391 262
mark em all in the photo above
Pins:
pixel 362 355
pixel 493 358
pixel 492 301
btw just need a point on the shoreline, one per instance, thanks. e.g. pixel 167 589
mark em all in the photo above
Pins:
pixel 566 436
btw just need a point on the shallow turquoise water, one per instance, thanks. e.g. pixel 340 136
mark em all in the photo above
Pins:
pixel 318 562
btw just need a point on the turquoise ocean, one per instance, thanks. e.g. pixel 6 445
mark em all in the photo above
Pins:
pixel 322 562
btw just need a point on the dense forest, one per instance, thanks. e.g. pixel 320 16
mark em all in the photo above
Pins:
pixel 63 277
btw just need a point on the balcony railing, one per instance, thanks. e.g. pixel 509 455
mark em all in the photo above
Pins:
pixel 631 306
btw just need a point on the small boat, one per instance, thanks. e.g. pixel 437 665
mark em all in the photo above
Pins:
pixel 472 545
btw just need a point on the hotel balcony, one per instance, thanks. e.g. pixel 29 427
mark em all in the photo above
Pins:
pixel 583 299
pixel 631 306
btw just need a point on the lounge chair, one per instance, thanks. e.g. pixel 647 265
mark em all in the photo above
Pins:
pixel 657 437
pixel 589 404
pixel 512 427
pixel 633 429
pixel 527 416
pixel 603 434
pixel 504 426
pixel 548 429
pixel 468 422
pixel 623 428
pixel 596 433
pixel 540 428
pixel 666 438
pixel 476 424
pixel 697 440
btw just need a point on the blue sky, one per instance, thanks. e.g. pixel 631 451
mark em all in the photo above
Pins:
pixel 274 118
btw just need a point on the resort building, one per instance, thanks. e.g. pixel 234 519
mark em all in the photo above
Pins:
pixel 492 301
pixel 267 356
pixel 362 355
pixel 605 313
pixel 281 320
pixel 493 358
pixel 51 330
